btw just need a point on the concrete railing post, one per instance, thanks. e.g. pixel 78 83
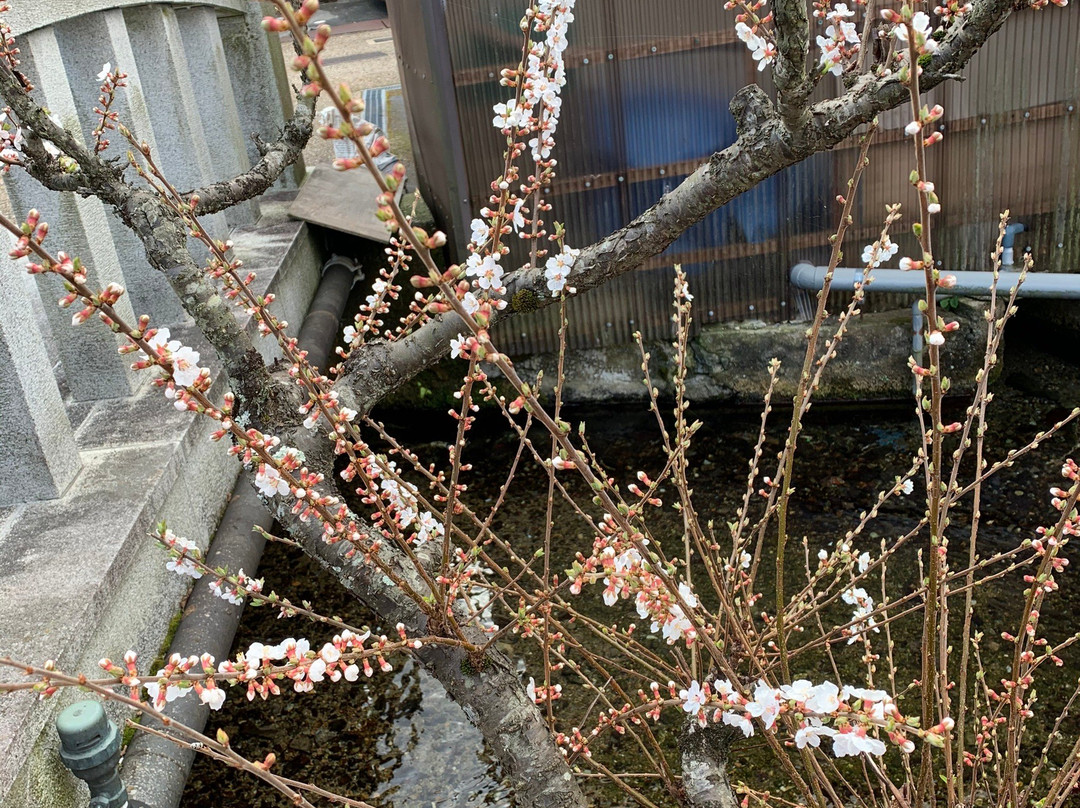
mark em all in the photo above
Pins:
pixel 167 84
pixel 90 41
pixel 93 368
pixel 265 103
pixel 216 104
pixel 198 86
pixel 36 441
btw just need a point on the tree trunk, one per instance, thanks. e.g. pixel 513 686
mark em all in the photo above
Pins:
pixel 490 693
pixel 704 755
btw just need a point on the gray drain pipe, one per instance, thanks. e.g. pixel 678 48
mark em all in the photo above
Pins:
pixel 968 284
pixel 155 770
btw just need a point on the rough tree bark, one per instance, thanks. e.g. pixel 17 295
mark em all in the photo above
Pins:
pixel 703 753
pixel 769 139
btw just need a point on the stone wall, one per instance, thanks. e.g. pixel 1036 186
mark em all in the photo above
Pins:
pixel 94 455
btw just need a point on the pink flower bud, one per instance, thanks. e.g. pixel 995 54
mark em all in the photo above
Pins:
pixel 380 145
pixel 274 24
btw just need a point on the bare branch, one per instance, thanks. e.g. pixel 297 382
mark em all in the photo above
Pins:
pixel 276 157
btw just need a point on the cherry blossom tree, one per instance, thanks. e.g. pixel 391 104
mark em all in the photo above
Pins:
pixel 429 562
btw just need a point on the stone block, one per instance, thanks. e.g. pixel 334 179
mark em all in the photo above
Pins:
pixel 729 363
pixel 261 83
pixel 79 226
pixel 90 41
pixel 283 254
pixel 730 360
pixel 172 101
pixel 25 17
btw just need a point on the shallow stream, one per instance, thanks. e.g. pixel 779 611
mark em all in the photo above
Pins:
pixel 397 741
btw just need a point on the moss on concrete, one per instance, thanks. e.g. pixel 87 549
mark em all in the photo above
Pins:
pixel 729 361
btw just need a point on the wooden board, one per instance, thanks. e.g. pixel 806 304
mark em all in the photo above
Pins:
pixel 341 200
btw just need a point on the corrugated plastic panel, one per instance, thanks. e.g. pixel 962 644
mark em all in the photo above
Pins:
pixel 646 102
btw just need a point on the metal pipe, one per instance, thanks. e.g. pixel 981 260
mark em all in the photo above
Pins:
pixel 1059 285
pixel 156 770
pixel 1008 243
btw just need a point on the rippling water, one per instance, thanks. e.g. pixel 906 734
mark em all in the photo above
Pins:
pixel 399 742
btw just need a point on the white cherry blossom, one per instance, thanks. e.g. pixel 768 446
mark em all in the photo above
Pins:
pixel 851 741
pixel 766 704
pixel 212 696
pixel 824 699
pixel 558 268
pixel 811 732
pixel 270 482
pixel 185 365
pixel 799 690
pixel 694 698
pixel 509 115
pixel 740 722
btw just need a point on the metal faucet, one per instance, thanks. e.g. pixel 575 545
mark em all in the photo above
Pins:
pixel 90 747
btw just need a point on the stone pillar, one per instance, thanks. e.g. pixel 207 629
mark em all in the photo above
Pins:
pixel 79 226
pixel 216 103
pixel 36 441
pixel 167 85
pixel 261 82
pixel 90 41
pixel 184 85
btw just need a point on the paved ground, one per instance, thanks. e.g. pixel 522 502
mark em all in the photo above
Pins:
pixel 360 53
pixel 343 12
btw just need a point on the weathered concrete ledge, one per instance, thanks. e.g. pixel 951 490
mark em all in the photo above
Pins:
pixel 25 17
pixel 79 578
pixel 729 364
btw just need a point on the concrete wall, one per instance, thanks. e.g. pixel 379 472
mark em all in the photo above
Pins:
pixel 94 453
